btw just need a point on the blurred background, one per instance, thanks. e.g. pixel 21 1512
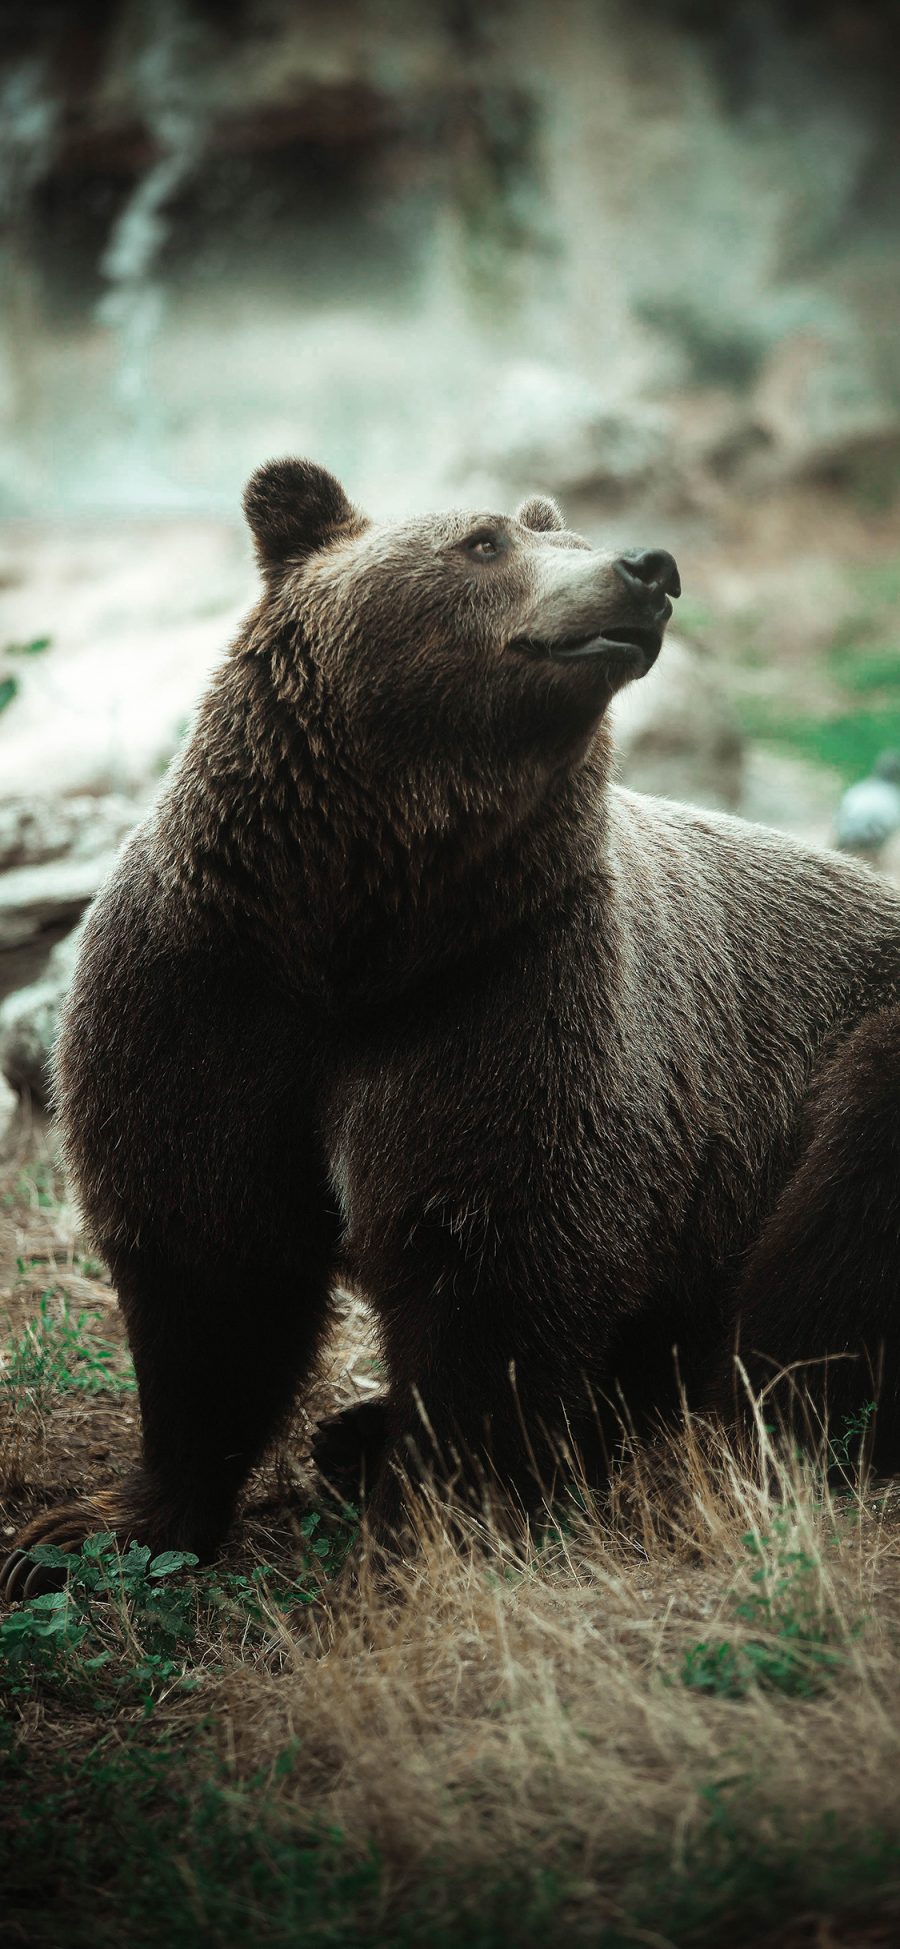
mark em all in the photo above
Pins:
pixel 647 259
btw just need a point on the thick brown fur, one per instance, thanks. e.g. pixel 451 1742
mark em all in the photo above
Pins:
pixel 396 986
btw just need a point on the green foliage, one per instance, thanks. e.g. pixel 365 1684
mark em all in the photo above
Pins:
pixel 61 1349
pixel 35 1186
pixel 122 1629
pixel 863 663
pixel 183 1860
pixel 736 1881
pixel 874 668
pixel 143 1840
pixel 846 1449
pixel 9 686
pixel 34 647
pixel 64 1635
pixel 180 1860
pixel 849 741
pixel 89 1268
pixel 792 1638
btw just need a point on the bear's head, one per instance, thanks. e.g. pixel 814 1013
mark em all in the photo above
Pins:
pixel 474 639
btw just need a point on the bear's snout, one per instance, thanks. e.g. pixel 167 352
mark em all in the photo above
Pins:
pixel 611 611
pixel 655 568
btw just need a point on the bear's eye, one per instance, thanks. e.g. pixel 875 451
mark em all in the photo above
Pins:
pixel 484 544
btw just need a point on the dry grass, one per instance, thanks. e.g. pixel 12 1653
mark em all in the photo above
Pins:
pixel 670 1717
pixel 528 1704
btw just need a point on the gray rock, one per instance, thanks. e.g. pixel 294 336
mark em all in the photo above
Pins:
pixel 28 1022
pixel 554 428
pixel 794 794
pixel 676 734
pixel 136 614
pixel 820 408
pixel 869 812
pixel 34 830
pixel 9 1106
pixel 35 898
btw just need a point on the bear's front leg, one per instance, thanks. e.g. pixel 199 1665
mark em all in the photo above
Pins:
pixel 219 1352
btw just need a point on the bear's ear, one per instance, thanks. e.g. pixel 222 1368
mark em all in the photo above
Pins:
pixel 541 515
pixel 294 507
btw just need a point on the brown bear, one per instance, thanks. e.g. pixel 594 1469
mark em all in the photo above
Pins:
pixel 395 985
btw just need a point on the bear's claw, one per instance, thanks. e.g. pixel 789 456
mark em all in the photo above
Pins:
pixel 65 1528
pixel 12 1573
pixel 20 1578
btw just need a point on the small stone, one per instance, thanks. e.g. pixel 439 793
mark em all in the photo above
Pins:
pixel 28 1020
pixel 676 734
pixel 9 1104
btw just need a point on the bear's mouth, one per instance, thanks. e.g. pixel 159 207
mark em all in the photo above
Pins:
pixel 644 638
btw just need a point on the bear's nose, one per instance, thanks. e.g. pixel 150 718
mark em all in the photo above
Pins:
pixel 653 566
